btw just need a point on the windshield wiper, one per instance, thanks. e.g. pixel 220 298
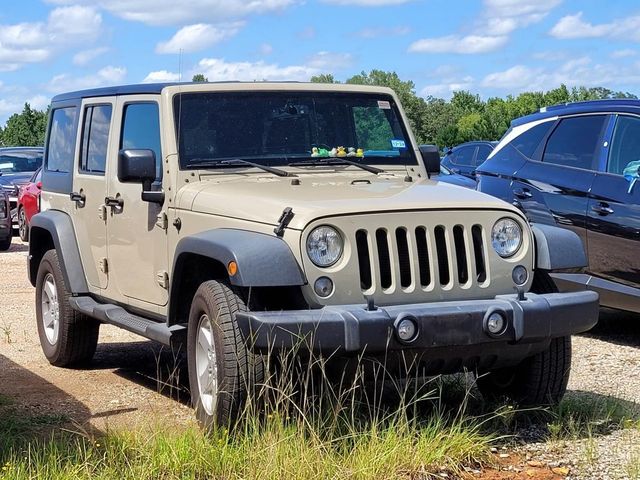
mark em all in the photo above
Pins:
pixel 213 162
pixel 337 161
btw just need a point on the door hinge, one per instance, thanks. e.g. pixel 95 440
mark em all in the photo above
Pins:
pixel 102 213
pixel 162 278
pixel 104 265
pixel 162 220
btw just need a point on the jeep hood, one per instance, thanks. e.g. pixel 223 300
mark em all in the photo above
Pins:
pixel 263 198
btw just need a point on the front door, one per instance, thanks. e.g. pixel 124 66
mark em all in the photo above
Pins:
pixel 614 208
pixel 90 187
pixel 137 237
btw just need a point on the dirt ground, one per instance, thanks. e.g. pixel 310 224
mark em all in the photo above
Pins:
pixel 133 382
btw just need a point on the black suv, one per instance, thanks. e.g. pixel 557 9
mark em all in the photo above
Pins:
pixel 578 166
pixel 466 157
pixel 17 166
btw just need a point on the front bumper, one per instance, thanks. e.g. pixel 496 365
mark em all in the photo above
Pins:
pixel 442 326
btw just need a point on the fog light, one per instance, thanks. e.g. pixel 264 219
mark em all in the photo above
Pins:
pixel 520 275
pixel 323 287
pixel 406 329
pixel 496 323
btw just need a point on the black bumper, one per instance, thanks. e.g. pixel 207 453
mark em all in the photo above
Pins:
pixel 442 325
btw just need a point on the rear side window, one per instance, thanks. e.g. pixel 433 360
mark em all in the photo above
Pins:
pixel 483 153
pixel 141 130
pixel 528 142
pixel 62 140
pixel 463 156
pixel 575 141
pixel 625 145
pixel 95 138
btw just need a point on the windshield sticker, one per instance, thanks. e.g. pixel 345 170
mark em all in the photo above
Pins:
pixel 398 143
pixel 383 104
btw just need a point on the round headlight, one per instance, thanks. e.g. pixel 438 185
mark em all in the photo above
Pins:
pixel 324 246
pixel 506 237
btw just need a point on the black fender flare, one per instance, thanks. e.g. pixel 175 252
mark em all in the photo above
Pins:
pixel 558 248
pixel 263 260
pixel 57 226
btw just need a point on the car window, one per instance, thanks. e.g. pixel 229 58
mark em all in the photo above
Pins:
pixel 483 153
pixel 463 156
pixel 38 177
pixel 95 138
pixel 574 142
pixel 62 140
pixel 141 130
pixel 625 144
pixel 528 141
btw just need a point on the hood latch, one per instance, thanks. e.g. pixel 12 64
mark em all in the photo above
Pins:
pixel 283 221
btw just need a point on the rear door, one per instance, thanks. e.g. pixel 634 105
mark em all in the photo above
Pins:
pixel 462 160
pixel 90 187
pixel 554 188
pixel 614 208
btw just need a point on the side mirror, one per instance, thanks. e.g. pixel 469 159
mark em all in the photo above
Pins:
pixel 431 159
pixel 139 166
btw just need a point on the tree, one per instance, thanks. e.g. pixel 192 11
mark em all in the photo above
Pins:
pixel 25 129
pixel 199 78
pixel 324 78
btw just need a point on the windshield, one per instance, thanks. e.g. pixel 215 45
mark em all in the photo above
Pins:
pixel 273 128
pixel 18 162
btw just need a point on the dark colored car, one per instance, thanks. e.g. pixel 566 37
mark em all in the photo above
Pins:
pixel 465 158
pixel 29 203
pixel 578 166
pixel 5 222
pixel 17 166
pixel 448 176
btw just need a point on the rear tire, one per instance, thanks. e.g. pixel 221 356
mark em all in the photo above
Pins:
pixel 537 380
pixel 67 337
pixel 23 227
pixel 222 372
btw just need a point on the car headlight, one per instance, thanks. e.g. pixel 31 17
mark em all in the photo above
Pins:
pixel 506 237
pixel 324 246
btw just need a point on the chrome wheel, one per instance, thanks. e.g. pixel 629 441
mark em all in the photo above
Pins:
pixel 22 224
pixel 50 309
pixel 207 365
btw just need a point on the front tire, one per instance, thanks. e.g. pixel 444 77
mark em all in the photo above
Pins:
pixel 23 227
pixel 67 337
pixel 5 244
pixel 538 380
pixel 221 370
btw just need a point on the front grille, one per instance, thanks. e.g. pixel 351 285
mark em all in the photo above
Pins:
pixel 434 257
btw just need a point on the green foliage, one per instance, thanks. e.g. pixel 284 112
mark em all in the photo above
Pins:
pixel 199 77
pixel 25 129
pixel 323 78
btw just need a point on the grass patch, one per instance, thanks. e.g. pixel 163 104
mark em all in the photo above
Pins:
pixel 633 467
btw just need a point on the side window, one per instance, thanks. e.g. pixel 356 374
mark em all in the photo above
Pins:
pixel 574 142
pixel 62 140
pixel 141 130
pixel 95 138
pixel 483 153
pixel 528 141
pixel 463 156
pixel 625 144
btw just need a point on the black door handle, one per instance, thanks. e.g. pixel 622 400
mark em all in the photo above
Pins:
pixel 79 198
pixel 114 202
pixel 602 209
pixel 522 193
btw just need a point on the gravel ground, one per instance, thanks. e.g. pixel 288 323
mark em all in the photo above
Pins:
pixel 132 381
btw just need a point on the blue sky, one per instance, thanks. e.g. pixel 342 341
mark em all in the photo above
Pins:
pixel 491 47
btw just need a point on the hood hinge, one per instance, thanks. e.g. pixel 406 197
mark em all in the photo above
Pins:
pixel 162 277
pixel 162 220
pixel 283 221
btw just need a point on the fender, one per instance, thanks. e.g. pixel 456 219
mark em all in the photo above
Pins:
pixel 58 226
pixel 558 248
pixel 263 260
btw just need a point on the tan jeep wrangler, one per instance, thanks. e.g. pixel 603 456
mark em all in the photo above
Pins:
pixel 233 218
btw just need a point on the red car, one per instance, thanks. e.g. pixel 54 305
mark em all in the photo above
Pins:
pixel 29 203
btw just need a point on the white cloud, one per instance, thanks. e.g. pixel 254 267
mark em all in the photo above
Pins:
pixel 65 82
pixel 367 3
pixel 161 76
pixel 266 49
pixel 33 42
pixel 172 12
pixel 627 52
pixel 573 26
pixel 376 32
pixel 446 89
pixel 86 56
pixel 218 69
pixel 330 61
pixel 199 36
pixel 506 16
pixel 469 44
